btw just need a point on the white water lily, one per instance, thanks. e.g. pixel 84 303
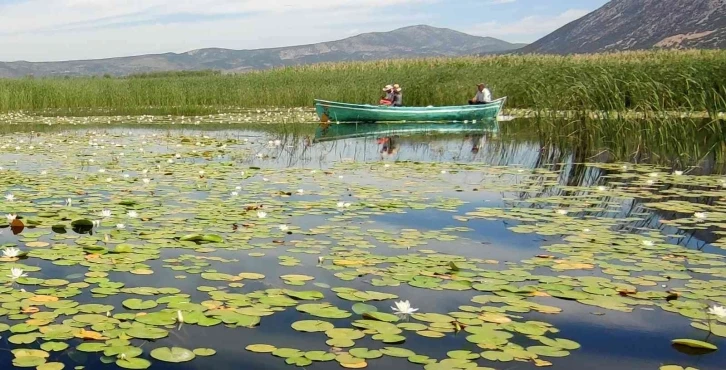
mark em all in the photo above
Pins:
pixel 16 273
pixel 601 188
pixel 562 212
pixel 678 173
pixel 146 181
pixel 234 194
pixel 170 161
pixel 718 311
pixel 9 197
pixel 120 226
pixel 122 356
pixel 403 308
pixel 261 214
pixel 96 223
pixel 321 259
pixel 178 155
pixel 700 215
pixel 11 252
pixel 11 217
pixel 653 174
pixel 278 142
pixel 283 228
pixel 69 202
pixel 238 188
pixel 106 213
pixel 341 204
pixel 179 317
pixel 126 175
pixel 101 170
pixel 265 179
pixel 300 191
pixel 650 182
pixel 133 214
pixel 340 177
pixel 201 172
pixel 648 243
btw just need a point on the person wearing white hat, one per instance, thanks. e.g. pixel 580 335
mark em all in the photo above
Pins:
pixel 483 95
pixel 388 98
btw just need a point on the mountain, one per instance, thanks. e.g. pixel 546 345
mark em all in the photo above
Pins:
pixel 408 42
pixel 640 24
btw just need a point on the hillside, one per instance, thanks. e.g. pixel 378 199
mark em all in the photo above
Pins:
pixel 641 24
pixel 408 42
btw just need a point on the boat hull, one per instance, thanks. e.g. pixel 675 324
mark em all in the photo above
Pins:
pixel 341 112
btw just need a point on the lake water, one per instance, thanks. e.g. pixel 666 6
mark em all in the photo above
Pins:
pixel 517 253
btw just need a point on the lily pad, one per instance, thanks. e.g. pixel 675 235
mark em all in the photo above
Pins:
pixel 692 343
pixel 173 354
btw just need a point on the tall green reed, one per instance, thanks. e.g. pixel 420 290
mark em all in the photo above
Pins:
pixel 649 81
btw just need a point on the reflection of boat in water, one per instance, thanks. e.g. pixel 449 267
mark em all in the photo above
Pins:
pixel 331 132
pixel 329 111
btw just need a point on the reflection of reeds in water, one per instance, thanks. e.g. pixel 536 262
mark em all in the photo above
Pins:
pixel 670 141
pixel 649 81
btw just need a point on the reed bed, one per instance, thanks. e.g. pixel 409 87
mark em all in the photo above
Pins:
pixel 646 81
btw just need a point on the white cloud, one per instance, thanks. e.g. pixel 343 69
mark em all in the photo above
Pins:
pixel 527 29
pixel 39 30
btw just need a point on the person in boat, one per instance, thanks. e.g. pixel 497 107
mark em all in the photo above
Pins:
pixel 397 96
pixel 387 98
pixel 483 95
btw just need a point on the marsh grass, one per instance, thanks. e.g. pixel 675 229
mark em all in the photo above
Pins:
pixel 650 81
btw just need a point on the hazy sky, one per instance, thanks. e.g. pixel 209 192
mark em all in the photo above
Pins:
pixel 45 30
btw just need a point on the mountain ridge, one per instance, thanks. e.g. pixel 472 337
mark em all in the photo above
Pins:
pixel 406 42
pixel 640 24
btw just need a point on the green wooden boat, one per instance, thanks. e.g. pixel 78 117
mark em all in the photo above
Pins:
pixel 342 112
pixel 332 131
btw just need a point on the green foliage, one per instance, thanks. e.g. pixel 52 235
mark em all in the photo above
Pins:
pixel 632 81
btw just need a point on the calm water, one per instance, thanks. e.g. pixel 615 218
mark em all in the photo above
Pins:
pixel 610 340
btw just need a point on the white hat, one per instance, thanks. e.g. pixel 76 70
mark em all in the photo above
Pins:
pixel 388 87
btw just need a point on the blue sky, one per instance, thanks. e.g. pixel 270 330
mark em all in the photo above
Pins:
pixel 44 30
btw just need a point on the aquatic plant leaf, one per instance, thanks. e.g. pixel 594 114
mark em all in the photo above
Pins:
pixel 133 363
pixel 261 348
pixel 204 352
pixel 173 354
pixel 693 343
pixel 312 326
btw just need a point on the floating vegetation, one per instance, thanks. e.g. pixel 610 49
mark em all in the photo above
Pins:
pixel 348 284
